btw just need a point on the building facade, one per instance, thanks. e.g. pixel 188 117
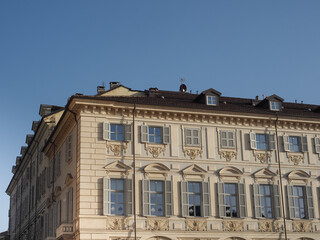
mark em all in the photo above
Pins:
pixel 153 164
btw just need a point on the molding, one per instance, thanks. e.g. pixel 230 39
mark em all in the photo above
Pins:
pixel 156 169
pixel 298 176
pixel 196 225
pixel 230 172
pixel 155 149
pixel 264 174
pixel 118 167
pixel 194 170
pixel 117 147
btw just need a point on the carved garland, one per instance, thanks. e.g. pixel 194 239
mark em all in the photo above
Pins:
pixel 268 226
pixel 302 226
pixel 233 226
pixel 196 225
pixel 157 225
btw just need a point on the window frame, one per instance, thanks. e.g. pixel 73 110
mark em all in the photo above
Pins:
pixel 302 143
pixel 165 132
pixel 274 105
pixel 227 139
pixel 211 100
pixel 192 137
pixel 126 132
pixel 308 203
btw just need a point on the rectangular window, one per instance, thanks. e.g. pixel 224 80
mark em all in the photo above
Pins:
pixel 261 140
pixel 266 201
pixel 295 143
pixel 154 134
pixel 117 132
pixel 117 196
pixel 212 100
pixel 232 200
pixel 300 202
pixel 156 198
pixel 274 106
pixel 317 144
pixel 195 199
pixel 227 139
pixel 192 137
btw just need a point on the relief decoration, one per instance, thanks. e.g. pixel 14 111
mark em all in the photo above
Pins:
pixel 157 224
pixel 196 225
pixel 302 226
pixel 228 155
pixel 233 226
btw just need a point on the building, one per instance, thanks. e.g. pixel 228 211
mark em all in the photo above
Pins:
pixel 165 165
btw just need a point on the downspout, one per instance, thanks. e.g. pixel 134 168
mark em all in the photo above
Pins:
pixel 36 193
pixel 134 173
pixel 280 174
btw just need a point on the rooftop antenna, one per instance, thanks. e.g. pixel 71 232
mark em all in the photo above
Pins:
pixel 183 87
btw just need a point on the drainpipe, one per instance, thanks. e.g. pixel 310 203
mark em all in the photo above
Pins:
pixel 134 173
pixel 280 174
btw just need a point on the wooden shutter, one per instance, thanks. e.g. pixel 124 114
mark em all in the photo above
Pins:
pixel 272 142
pixel 205 199
pixel 304 144
pixel 223 139
pixel 286 145
pixel 146 197
pixel 184 199
pixel 317 144
pixel 276 202
pixel 168 198
pixel 257 200
pixel 106 196
pixel 231 139
pixel 128 132
pixel 242 200
pixel 128 197
pixel 221 200
pixel 290 201
pixel 144 134
pixel 106 131
pixel 310 202
pixel 188 136
pixel 68 148
pixel 253 141
pixel 166 135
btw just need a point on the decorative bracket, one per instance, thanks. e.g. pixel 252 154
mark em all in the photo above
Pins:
pixel 295 158
pixel 262 156
pixel 117 147
pixel 155 150
pixel 192 152
pixel 228 155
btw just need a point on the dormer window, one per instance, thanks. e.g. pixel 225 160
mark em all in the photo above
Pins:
pixel 274 106
pixel 211 100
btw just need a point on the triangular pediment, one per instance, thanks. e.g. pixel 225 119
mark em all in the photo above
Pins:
pixel 121 91
pixel 117 167
pixel 264 173
pixel 156 167
pixel 193 170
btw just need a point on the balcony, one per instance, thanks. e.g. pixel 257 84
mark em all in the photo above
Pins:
pixel 65 231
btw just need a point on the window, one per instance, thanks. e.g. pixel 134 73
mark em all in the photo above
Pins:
pixel 232 200
pixel 227 139
pixel 68 148
pixel 154 134
pixel 300 202
pixel 157 198
pixel 117 132
pixel 261 141
pixel 211 100
pixel 195 199
pixel 117 196
pixel 295 143
pixel 192 136
pixel 317 144
pixel 274 106
pixel 266 201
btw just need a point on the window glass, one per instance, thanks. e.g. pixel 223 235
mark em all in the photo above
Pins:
pixel 194 193
pixel 299 201
pixel 211 100
pixel 275 106
pixel 155 134
pixel 116 196
pixel 231 199
pixel 266 201
pixel 156 198
pixel 116 132
pixel 294 144
pixel 261 140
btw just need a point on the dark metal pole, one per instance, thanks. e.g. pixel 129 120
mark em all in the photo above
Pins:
pixel 134 173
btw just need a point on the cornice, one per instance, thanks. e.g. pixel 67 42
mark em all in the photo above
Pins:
pixel 200 116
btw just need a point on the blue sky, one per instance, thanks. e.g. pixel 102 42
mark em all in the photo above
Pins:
pixel 50 50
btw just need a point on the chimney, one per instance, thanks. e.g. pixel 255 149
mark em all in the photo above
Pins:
pixel 113 85
pixel 257 97
pixel 101 89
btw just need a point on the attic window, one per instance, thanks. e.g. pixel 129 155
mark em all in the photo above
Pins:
pixel 274 106
pixel 211 100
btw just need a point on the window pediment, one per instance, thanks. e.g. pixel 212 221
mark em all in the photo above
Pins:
pixel 117 166
pixel 156 170
pixel 194 170
pixel 231 173
pixel 264 174
pixel 298 176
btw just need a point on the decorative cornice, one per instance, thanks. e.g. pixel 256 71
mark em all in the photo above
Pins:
pixel 155 149
pixel 117 147
pixel 228 155
pixel 157 224
pixel 233 226
pixel 196 225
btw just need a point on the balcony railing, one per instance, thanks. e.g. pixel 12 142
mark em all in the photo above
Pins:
pixel 65 231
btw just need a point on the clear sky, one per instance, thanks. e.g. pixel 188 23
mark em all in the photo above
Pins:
pixel 50 50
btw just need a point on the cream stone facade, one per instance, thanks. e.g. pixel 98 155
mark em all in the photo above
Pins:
pixel 163 165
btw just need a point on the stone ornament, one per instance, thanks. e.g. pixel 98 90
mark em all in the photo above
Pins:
pixel 192 152
pixel 117 148
pixel 296 159
pixel 262 156
pixel 157 224
pixel 233 226
pixel 196 225
pixel 155 151
pixel 302 226
pixel 268 226
pixel 228 155
pixel 117 224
